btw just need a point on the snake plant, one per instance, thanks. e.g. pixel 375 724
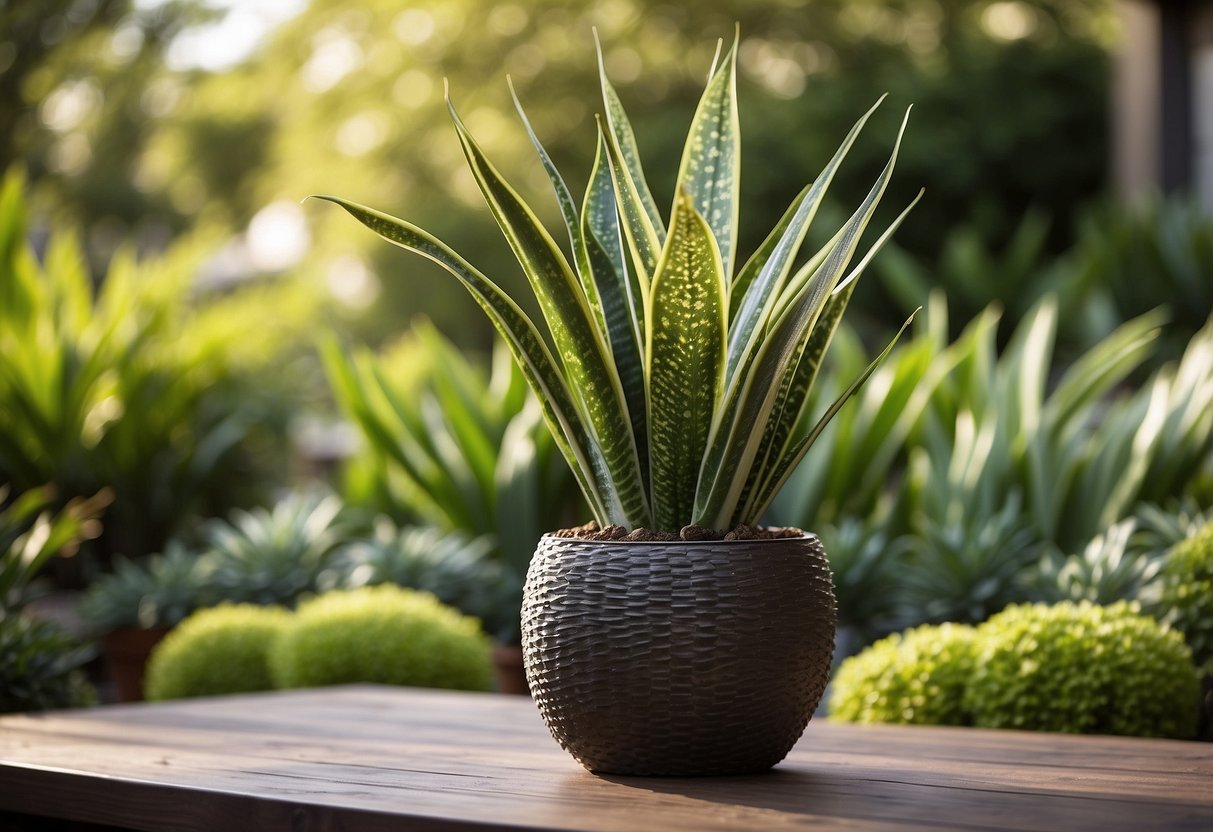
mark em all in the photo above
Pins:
pixel 681 376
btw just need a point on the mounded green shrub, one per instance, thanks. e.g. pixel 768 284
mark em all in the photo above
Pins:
pixel 223 649
pixel 916 677
pixel 1082 668
pixel 382 634
pixel 1186 600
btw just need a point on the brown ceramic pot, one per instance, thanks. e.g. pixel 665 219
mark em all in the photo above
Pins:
pixel 678 658
pixel 511 675
pixel 126 652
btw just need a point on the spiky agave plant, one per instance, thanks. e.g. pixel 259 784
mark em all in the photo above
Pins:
pixel 680 378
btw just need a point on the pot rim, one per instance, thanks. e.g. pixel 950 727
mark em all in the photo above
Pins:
pixel 756 541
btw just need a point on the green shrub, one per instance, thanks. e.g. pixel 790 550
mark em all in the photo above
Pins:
pixel 1186 601
pixel 381 634
pixel 40 667
pixel 219 650
pixel 916 677
pixel 1081 668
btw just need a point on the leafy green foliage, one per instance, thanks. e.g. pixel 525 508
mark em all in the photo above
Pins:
pixel 275 556
pixel 381 634
pixel 1122 262
pixel 31 533
pixel 40 667
pixel 865 565
pixel 1129 260
pixel 716 438
pixel 158 591
pixel 135 387
pixel 912 678
pixel 1072 667
pixel 458 571
pixel 1080 668
pixel 974 275
pixel 223 649
pixel 1186 601
pixel 1010 477
pixel 1114 566
pixel 444 445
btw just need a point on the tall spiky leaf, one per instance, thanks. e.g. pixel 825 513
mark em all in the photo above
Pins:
pixel 583 349
pixel 620 292
pixel 765 273
pixel 523 340
pixel 753 393
pixel 710 170
pixel 624 139
pixel 685 361
pixel 568 212
pixel 792 457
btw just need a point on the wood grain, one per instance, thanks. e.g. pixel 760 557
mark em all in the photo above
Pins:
pixel 369 758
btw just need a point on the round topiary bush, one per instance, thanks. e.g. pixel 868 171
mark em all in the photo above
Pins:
pixel 1186 599
pixel 1082 668
pixel 223 649
pixel 916 677
pixel 382 634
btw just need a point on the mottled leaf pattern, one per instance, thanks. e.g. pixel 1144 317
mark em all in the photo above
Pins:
pixel 750 401
pixel 710 171
pixel 620 292
pixel 584 353
pixel 794 391
pixel 525 343
pixel 568 212
pixel 791 458
pixel 680 389
pixel 766 272
pixel 685 361
pixel 622 138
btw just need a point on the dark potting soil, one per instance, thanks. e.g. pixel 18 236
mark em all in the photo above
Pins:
pixel 592 531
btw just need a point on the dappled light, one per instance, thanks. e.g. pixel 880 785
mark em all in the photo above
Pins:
pixel 501 346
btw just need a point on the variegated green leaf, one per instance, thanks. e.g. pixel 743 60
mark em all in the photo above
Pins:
pixel 766 272
pixel 792 457
pixel 622 304
pixel 642 238
pixel 685 361
pixel 523 340
pixel 710 171
pixel 624 140
pixel 584 353
pixel 794 391
pixel 752 396
pixel 568 212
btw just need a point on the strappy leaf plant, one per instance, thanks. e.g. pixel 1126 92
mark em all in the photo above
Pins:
pixel 679 376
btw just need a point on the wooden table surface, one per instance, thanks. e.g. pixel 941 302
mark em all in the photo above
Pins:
pixel 373 758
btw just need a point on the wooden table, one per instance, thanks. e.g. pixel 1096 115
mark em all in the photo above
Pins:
pixel 371 758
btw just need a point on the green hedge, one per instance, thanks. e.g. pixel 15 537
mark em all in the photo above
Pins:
pixel 220 650
pixel 382 634
pixel 1075 668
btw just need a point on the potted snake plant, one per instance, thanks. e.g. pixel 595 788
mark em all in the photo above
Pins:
pixel 670 636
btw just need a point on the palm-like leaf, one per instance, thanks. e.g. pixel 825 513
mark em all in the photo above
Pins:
pixel 678 390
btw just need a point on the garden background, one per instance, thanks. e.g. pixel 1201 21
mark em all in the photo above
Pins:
pixel 212 392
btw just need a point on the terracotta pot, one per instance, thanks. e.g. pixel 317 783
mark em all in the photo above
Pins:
pixel 126 652
pixel 511 676
pixel 682 658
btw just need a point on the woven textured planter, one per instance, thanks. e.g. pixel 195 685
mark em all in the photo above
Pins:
pixel 681 658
